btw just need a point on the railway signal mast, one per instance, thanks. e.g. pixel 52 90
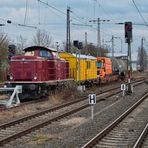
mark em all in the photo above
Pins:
pixel 128 40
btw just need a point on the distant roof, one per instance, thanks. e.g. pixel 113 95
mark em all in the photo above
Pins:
pixel 81 56
pixel 32 48
pixel 117 54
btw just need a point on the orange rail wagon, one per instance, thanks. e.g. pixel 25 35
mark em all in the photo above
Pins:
pixel 104 69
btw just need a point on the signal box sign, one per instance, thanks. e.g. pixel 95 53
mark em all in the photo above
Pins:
pixel 92 99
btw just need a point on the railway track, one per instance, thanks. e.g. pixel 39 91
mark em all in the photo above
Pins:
pixel 17 128
pixel 2 108
pixel 142 141
pixel 124 131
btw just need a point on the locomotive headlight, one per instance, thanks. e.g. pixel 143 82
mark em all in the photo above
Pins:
pixel 11 77
pixel 35 77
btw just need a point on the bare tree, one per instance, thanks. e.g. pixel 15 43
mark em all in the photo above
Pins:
pixel 42 39
pixel 142 59
pixel 20 45
pixel 92 50
pixel 3 55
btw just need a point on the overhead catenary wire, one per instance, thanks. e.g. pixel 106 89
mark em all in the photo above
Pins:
pixel 38 13
pixel 94 7
pixel 77 15
pixel 77 18
pixel 140 13
pixel 34 27
pixel 18 24
pixel 46 3
pixel 26 12
pixel 104 10
pixel 87 10
pixel 44 17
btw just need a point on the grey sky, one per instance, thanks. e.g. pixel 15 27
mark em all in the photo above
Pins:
pixel 52 21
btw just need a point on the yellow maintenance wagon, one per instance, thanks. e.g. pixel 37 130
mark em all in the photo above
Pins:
pixel 81 67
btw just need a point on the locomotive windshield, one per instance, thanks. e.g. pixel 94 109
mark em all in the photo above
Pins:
pixel 45 53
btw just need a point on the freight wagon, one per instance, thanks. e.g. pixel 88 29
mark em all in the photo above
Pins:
pixel 82 68
pixel 110 69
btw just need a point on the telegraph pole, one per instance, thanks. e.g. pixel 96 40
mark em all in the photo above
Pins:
pixel 98 35
pixel 68 30
pixel 85 38
pixel 112 40
pixel 86 48
pixel 98 39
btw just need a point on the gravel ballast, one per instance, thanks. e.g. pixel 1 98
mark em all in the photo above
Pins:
pixel 75 130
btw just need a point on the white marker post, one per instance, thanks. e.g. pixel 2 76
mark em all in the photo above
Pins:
pixel 123 88
pixel 92 101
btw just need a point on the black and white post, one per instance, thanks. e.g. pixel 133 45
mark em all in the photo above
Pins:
pixel 123 88
pixel 92 102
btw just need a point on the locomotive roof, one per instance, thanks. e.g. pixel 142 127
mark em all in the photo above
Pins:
pixel 36 47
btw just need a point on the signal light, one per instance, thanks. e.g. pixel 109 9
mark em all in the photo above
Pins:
pixel 128 31
pixel 11 51
pixel 78 44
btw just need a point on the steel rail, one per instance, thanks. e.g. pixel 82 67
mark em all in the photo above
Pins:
pixel 2 108
pixel 39 125
pixel 141 137
pixel 105 131
pixel 39 113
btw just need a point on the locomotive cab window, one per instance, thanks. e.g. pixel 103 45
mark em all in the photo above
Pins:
pixel 99 64
pixel 29 53
pixel 45 53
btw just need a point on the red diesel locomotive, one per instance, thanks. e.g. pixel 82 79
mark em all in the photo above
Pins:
pixel 37 71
